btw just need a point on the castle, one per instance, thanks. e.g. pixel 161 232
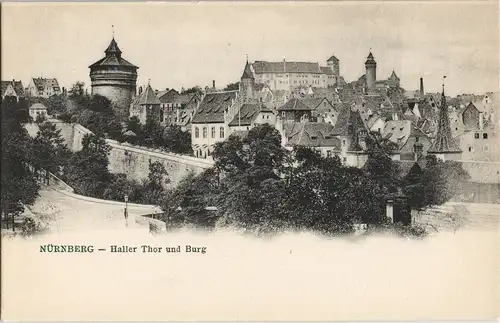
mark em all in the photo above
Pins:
pixel 115 78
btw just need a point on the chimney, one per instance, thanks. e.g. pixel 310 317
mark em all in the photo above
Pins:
pixel 213 85
pixel 481 121
pixel 422 85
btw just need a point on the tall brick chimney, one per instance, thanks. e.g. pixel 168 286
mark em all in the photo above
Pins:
pixel 213 85
pixel 422 86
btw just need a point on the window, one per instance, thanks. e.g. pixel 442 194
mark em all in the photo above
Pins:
pixel 213 134
pixel 485 135
pixel 196 132
pixel 161 116
pixel 329 153
pixel 221 132
pixel 416 138
pixel 345 160
pixel 343 142
pixel 204 132
pixel 476 136
pixel 470 149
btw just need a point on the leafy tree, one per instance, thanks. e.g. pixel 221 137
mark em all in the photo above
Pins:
pixel 232 86
pixel 194 89
pixel 177 141
pixel 87 171
pixel 154 186
pixel 19 185
pixel 49 150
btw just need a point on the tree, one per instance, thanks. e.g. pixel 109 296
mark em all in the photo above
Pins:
pixel 232 86
pixel 195 89
pixel 177 141
pixel 154 187
pixel 19 185
pixel 49 150
pixel 87 170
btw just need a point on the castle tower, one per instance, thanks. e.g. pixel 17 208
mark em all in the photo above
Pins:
pixel 334 64
pixel 247 84
pixel 444 146
pixel 371 72
pixel 114 78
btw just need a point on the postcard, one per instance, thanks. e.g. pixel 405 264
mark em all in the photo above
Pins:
pixel 250 161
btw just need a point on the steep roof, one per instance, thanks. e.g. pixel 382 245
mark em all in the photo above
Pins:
pixel 148 97
pixel 370 59
pixel 247 114
pixel 326 70
pixel 113 57
pixel 212 107
pixel 348 122
pixel 167 96
pixel 247 72
pixel 313 103
pixel 16 85
pixel 261 67
pixel 42 83
pixel 294 104
pixel 399 131
pixel 311 134
pixel 332 58
pixel 444 143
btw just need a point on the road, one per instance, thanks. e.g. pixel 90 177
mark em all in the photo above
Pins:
pixel 70 212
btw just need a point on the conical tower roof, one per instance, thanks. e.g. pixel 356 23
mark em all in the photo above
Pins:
pixel 113 48
pixel 247 72
pixel 444 142
pixel 370 59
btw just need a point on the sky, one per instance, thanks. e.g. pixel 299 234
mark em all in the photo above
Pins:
pixel 185 44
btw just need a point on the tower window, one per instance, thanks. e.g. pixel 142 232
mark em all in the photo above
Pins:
pixel 204 132
pixel 197 132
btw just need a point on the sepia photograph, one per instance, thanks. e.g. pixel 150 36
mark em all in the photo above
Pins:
pixel 250 161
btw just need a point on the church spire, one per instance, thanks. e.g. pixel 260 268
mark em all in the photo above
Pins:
pixel 444 143
pixel 247 72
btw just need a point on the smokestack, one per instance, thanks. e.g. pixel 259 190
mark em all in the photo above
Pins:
pixel 422 85
pixel 213 84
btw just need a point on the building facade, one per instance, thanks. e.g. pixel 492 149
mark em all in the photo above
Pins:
pixel 115 78
pixel 289 75
pixel 43 87
pixel 12 88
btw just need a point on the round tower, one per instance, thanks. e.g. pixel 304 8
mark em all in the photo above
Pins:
pixel 115 78
pixel 247 84
pixel 371 72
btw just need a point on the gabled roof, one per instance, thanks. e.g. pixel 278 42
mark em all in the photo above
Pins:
pixel 313 103
pixel 399 131
pixel 332 58
pixel 348 122
pixel 17 86
pixel 167 96
pixel 468 106
pixel 148 97
pixel 311 134
pixel 247 114
pixel 212 107
pixel 326 70
pixel 261 67
pixel 294 104
pixel 42 83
